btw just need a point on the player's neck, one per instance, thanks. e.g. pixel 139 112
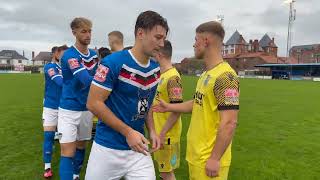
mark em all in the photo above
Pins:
pixel 118 48
pixel 82 48
pixel 141 57
pixel 165 66
pixel 53 60
pixel 212 59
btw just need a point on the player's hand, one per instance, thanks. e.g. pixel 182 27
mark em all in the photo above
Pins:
pixel 161 107
pixel 155 142
pixel 137 142
pixel 212 167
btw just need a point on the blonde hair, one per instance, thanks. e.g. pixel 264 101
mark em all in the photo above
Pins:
pixel 80 22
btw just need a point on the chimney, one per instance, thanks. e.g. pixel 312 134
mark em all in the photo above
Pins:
pixel 23 54
pixel 32 55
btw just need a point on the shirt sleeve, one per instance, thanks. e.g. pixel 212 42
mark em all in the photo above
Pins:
pixel 174 89
pixel 226 90
pixel 106 75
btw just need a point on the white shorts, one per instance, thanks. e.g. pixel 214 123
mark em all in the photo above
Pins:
pixel 49 117
pixel 74 125
pixel 110 164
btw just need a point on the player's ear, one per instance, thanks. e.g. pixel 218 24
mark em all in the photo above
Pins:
pixel 74 32
pixel 140 33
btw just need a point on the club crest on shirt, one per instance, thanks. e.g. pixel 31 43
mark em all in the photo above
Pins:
pixel 207 80
pixel 142 106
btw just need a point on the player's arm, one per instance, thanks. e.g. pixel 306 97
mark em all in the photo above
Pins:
pixel 99 92
pixel 162 106
pixel 55 76
pixel 152 132
pixel 226 91
pixel 79 71
pixel 175 91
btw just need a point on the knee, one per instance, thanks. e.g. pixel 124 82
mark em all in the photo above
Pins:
pixel 68 149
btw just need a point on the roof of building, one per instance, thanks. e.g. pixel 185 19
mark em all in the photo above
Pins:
pixel 234 39
pixel 289 65
pixel 308 47
pixel 11 54
pixel 43 56
pixel 265 41
pixel 262 55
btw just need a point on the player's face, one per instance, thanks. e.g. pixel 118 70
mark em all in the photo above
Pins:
pixel 83 35
pixel 199 46
pixel 153 40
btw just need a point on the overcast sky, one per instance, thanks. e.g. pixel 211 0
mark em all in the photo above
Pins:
pixel 37 25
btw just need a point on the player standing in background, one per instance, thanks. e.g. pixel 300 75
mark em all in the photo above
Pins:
pixel 168 125
pixel 115 39
pixel 78 66
pixel 120 96
pixel 214 108
pixel 52 93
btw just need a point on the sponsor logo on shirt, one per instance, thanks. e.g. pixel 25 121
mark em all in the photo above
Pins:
pixel 51 72
pixel 101 73
pixel 73 63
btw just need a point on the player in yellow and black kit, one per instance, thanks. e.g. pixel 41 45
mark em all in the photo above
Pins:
pixel 168 125
pixel 214 108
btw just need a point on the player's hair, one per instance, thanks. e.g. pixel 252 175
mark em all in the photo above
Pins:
pixel 80 22
pixel 212 27
pixel 103 52
pixel 148 19
pixel 54 49
pixel 117 34
pixel 63 48
pixel 166 50
pixel 128 48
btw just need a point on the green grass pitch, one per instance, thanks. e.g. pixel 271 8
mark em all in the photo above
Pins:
pixel 278 134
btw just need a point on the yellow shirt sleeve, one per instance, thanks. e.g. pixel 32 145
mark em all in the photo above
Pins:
pixel 226 90
pixel 174 89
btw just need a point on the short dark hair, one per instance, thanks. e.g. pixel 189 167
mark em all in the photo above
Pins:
pixel 212 27
pixel 54 49
pixel 127 48
pixel 166 50
pixel 63 48
pixel 118 34
pixel 148 19
pixel 103 52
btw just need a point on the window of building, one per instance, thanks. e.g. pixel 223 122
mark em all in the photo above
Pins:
pixel 19 61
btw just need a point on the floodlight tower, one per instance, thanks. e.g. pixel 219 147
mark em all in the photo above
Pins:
pixel 292 18
pixel 220 18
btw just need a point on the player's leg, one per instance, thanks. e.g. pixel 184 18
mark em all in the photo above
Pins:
pixel 140 167
pixel 84 135
pixel 105 163
pixel 50 120
pixel 67 127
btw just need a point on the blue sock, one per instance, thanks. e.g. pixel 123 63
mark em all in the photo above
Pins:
pixel 65 171
pixel 47 146
pixel 78 161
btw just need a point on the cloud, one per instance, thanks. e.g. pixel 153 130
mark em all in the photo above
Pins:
pixel 39 24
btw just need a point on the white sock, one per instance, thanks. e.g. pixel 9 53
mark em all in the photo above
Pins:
pixel 75 176
pixel 47 166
